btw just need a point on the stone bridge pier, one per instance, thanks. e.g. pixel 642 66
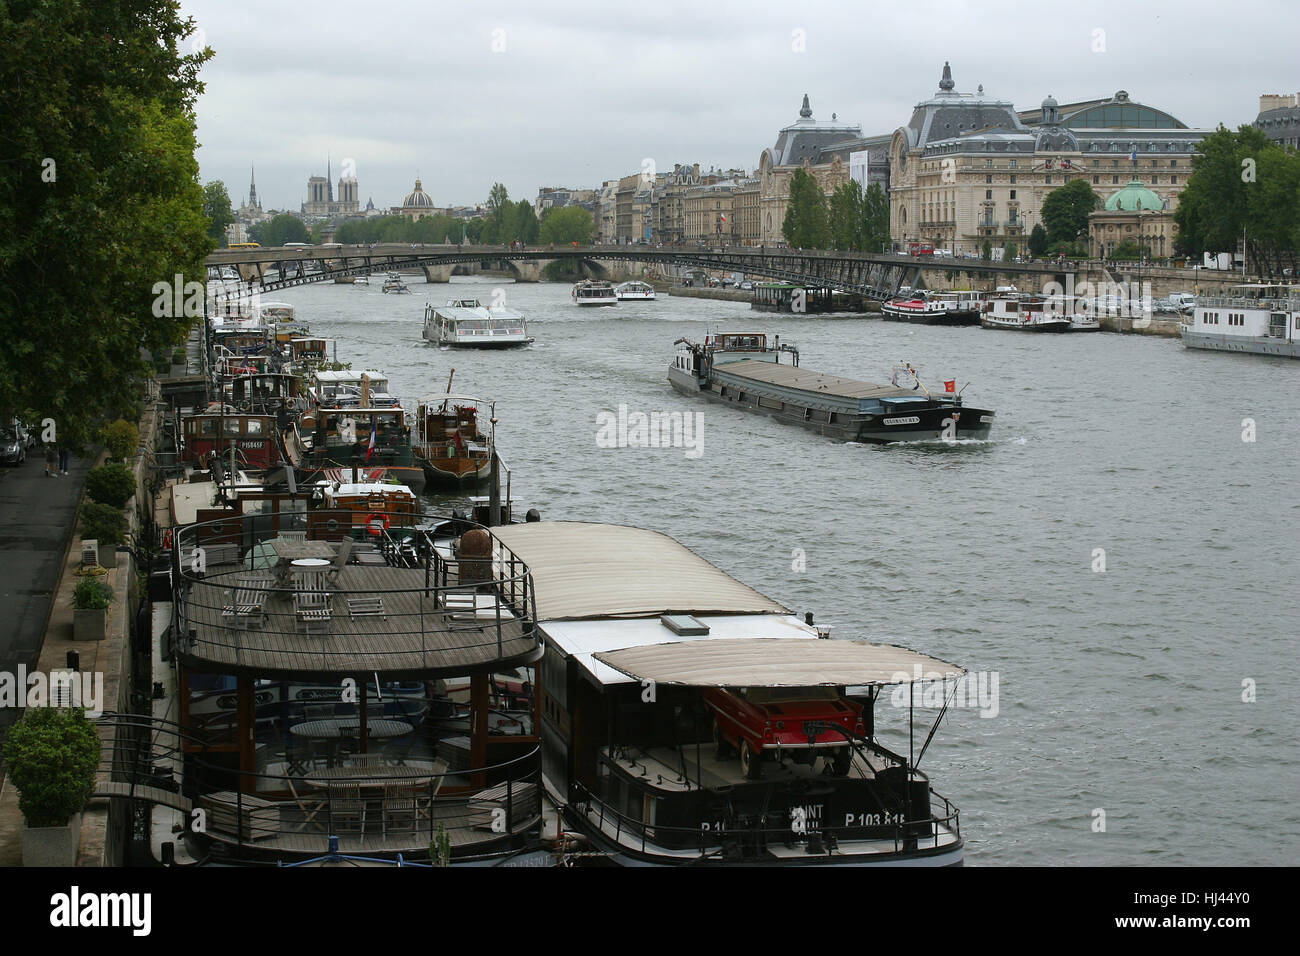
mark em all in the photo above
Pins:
pixel 529 270
pixel 437 273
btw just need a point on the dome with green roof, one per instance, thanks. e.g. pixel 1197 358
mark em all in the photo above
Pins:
pixel 1133 197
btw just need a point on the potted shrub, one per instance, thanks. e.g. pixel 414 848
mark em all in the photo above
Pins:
pixel 111 484
pixel 107 525
pixel 90 601
pixel 51 755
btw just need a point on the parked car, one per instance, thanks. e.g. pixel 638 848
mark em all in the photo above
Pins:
pixel 772 722
pixel 747 285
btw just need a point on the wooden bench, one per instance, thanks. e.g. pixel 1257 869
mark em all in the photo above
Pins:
pixel 251 818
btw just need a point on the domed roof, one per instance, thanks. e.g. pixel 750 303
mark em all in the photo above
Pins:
pixel 1050 103
pixel 418 198
pixel 1134 197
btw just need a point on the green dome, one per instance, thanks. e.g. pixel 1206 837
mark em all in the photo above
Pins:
pixel 1133 197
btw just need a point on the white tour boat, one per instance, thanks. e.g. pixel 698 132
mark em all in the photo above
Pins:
pixel 634 291
pixel 1263 319
pixel 469 324
pixel 594 292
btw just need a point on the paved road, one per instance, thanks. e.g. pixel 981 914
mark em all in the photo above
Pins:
pixel 37 515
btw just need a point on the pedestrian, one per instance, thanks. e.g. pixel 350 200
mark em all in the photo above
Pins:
pixel 51 460
pixel 64 455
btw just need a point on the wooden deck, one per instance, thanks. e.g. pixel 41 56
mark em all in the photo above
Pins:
pixel 414 634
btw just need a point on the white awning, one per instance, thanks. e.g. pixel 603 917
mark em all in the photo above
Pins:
pixel 777 663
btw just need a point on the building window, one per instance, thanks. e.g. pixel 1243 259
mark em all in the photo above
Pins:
pixel 1114 180
pixel 988 179
pixel 1013 179
pixel 1173 162
pixel 1013 194
pixel 1096 180
pixel 1013 164
pixel 1049 180
pixel 1096 162
pixel 1155 180
pixel 1173 180
pixel 988 163
pixel 988 194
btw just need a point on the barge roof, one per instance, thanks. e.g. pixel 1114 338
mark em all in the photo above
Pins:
pixel 805 380
pixel 583 570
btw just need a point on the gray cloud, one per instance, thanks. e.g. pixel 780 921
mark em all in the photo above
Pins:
pixel 584 91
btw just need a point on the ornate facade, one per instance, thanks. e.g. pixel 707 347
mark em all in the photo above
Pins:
pixel 967 168
pixel 814 146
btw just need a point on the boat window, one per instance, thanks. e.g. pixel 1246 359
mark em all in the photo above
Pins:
pixel 254 427
pixel 780 695
pixel 232 426
pixel 208 426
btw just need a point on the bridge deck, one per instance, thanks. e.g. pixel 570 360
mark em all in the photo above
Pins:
pixel 816 383
pixel 165 798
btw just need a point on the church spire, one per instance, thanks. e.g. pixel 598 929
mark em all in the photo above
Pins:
pixel 252 187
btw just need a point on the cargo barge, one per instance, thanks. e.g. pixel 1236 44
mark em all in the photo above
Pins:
pixel 741 369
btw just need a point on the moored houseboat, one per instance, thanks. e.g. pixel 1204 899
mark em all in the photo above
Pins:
pixel 687 719
pixel 743 370
pixel 1257 318
pixel 935 308
pixel 331 437
pixel 450 441
pixel 1024 312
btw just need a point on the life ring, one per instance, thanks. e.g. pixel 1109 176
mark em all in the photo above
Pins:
pixel 379 529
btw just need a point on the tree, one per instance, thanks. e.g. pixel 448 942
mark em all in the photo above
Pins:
pixel 1065 210
pixel 986 250
pixel 566 225
pixel 1038 240
pixel 216 206
pixel 283 228
pixel 875 220
pixel 845 216
pixel 98 181
pixel 806 224
pixel 1215 206
pixel 52 755
pixel 527 228
pixel 1010 252
pixel 1129 249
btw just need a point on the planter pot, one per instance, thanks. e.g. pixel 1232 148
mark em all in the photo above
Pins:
pixel 90 625
pixel 52 846
pixel 108 555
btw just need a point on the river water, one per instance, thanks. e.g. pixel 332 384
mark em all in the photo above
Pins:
pixel 1120 735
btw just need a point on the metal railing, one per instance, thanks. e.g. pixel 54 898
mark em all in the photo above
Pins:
pixel 749 839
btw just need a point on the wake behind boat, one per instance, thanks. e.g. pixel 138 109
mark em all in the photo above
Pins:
pixel 742 369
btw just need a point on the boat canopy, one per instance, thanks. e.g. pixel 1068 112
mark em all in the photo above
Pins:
pixel 777 662
pixel 584 570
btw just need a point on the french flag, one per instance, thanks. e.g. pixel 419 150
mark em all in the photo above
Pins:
pixel 371 447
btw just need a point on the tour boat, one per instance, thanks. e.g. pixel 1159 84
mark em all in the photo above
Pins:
pixel 1024 312
pixel 634 291
pixel 394 283
pixel 688 720
pixel 594 292
pixel 935 308
pixel 743 370
pixel 467 323
pixel 1259 318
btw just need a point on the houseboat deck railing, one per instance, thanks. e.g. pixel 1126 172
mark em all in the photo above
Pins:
pixel 1277 303
pixel 293 806
pixel 416 611
pixel 908 835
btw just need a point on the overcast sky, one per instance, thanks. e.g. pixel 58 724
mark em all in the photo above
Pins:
pixel 571 93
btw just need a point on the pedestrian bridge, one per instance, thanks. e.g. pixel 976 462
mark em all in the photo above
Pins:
pixel 876 275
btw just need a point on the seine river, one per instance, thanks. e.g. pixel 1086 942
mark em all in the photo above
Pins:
pixel 1145 713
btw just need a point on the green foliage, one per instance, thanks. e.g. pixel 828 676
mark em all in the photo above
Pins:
pixel 440 847
pixel 103 523
pixel 807 220
pixel 566 225
pixel 986 250
pixel 217 208
pixel 875 220
pixel 427 229
pixel 1241 181
pixel 1129 249
pixel 844 216
pixel 527 228
pixel 1009 252
pixel 92 594
pixel 1065 210
pixel 1038 240
pixel 122 438
pixel 112 484
pixel 51 756
pixel 280 229
pixel 98 180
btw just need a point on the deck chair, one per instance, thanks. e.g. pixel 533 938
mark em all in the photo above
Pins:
pixel 366 607
pixel 340 562
pixel 399 808
pixel 347 810
pixel 311 607
pixel 249 603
